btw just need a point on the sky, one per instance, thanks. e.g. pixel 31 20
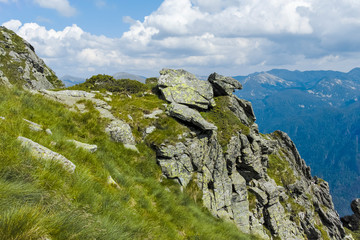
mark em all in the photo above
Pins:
pixel 231 37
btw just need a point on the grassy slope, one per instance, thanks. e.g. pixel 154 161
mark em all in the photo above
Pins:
pixel 38 199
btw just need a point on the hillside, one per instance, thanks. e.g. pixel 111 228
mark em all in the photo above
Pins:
pixel 319 110
pixel 177 158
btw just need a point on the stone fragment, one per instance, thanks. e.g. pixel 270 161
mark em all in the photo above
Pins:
pixel 48 131
pixel 110 181
pixel 223 86
pixel 42 152
pixel 34 126
pixel 4 80
pixel 154 114
pixel 189 115
pixel 88 147
pixel 120 131
pixel 180 86
pixel 149 130
pixel 131 147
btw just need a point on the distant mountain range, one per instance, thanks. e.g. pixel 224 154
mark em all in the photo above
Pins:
pixel 69 80
pixel 320 110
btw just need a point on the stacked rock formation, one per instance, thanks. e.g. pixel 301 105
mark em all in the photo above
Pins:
pixel 257 181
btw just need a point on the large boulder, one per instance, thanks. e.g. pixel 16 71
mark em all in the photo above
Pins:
pixel 189 115
pixel 120 131
pixel 180 86
pixel 223 86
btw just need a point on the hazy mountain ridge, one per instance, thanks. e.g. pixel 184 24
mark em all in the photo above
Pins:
pixel 319 110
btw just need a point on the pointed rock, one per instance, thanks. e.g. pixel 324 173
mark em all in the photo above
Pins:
pixel 223 86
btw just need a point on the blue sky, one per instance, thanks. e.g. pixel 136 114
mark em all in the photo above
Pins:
pixel 231 37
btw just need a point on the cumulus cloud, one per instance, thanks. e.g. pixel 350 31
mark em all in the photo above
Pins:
pixel 62 6
pixel 13 25
pixel 227 36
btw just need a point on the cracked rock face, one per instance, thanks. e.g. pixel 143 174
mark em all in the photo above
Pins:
pixel 258 181
pixel 189 115
pixel 180 86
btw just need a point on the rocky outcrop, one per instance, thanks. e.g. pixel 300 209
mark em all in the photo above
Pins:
pixel 20 65
pixel 118 130
pixel 223 86
pixel 76 98
pixel 258 181
pixel 353 222
pixel 190 116
pixel 43 153
pixel 180 86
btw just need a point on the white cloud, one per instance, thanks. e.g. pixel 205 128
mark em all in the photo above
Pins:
pixel 62 6
pixel 4 1
pixel 227 36
pixel 12 24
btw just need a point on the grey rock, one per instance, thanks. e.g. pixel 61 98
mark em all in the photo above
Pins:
pixel 36 75
pixel 242 109
pixel 110 181
pixel 290 210
pixel 353 222
pixel 120 131
pixel 48 131
pixel 88 147
pixel 180 86
pixel 223 85
pixel 42 152
pixel 189 115
pixel 34 126
pixel 72 97
pixel 4 81
pixel 355 206
pixel 131 147
pixel 154 114
pixel 149 130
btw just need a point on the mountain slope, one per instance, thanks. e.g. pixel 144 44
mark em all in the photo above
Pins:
pixel 177 159
pixel 319 110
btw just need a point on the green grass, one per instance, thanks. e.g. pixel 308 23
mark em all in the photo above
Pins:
pixel 225 120
pixel 39 199
pixel 252 200
pixel 279 169
pixel 355 234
